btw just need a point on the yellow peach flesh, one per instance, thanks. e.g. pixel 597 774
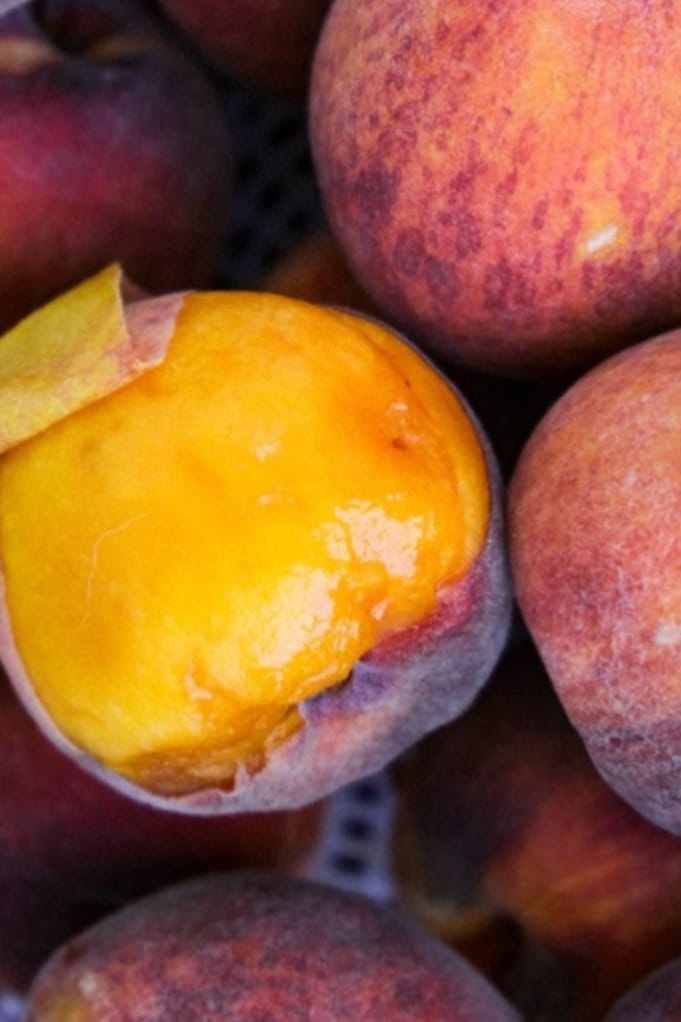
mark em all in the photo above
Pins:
pixel 190 557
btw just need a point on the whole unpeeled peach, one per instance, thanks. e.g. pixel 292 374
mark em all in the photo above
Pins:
pixel 503 177
pixel 509 846
pixel 248 947
pixel 596 557
pixel 114 147
pixel 259 569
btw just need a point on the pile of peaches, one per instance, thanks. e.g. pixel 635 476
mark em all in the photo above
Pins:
pixel 410 504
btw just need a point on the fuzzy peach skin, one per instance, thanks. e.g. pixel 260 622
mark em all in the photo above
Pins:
pixel 657 998
pixel 114 147
pixel 503 177
pixel 596 559
pixel 270 563
pixel 265 43
pixel 72 849
pixel 253 946
pixel 509 846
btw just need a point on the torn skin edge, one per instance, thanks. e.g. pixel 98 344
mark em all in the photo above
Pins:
pixel 17 676
pixel 349 730
pixel 81 346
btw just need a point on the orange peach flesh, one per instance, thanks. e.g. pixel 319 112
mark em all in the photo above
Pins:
pixel 188 558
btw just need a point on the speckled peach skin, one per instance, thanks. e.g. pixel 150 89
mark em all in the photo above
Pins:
pixel 252 946
pixel 502 177
pixel 657 998
pixel 596 559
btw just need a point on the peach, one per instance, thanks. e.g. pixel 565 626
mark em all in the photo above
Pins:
pixel 502 177
pixel 114 147
pixel 509 846
pixel 272 560
pixel 265 43
pixel 596 560
pixel 657 998
pixel 253 946
pixel 315 269
pixel 72 849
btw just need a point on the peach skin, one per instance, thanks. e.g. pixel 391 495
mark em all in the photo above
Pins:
pixel 657 998
pixel 509 846
pixel 252 946
pixel 278 553
pixel 267 44
pixel 503 177
pixel 596 559
pixel 114 147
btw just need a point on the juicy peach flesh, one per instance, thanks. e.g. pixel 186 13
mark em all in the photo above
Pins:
pixel 188 558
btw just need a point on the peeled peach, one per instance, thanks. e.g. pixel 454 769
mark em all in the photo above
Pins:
pixel 593 510
pixel 252 946
pixel 503 177
pixel 259 569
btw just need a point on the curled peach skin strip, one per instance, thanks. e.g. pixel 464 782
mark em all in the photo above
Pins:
pixel 75 350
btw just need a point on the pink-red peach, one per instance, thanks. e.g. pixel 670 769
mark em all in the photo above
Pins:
pixel 594 506
pixel 510 846
pixel 114 146
pixel 503 177
pixel 250 947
